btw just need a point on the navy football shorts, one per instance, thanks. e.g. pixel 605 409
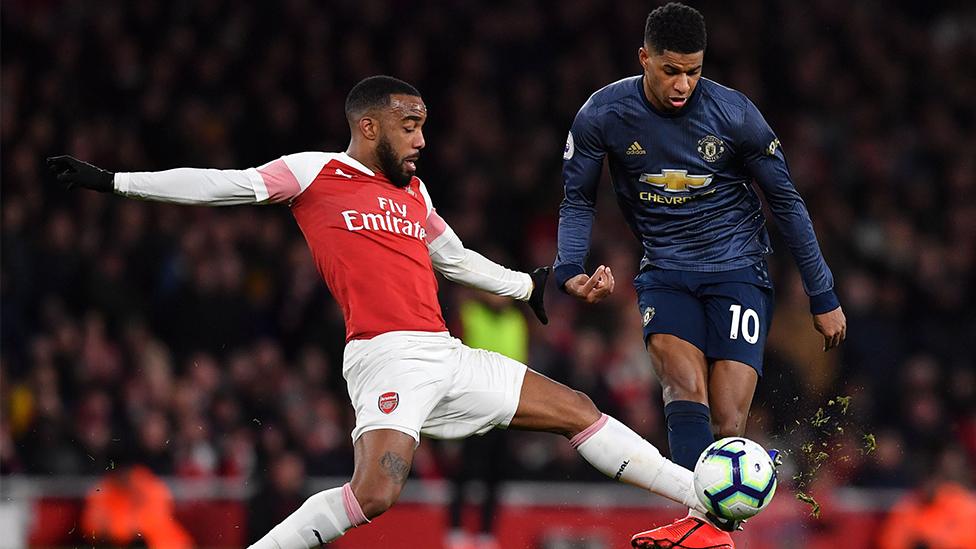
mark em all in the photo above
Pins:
pixel 727 314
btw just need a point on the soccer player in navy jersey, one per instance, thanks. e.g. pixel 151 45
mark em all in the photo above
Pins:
pixel 683 152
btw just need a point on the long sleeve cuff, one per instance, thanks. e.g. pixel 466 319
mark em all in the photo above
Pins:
pixel 824 303
pixel 121 183
pixel 565 272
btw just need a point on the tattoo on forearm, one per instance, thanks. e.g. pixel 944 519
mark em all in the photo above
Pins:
pixel 395 466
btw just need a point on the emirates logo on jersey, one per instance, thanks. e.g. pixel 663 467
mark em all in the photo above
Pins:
pixel 392 218
pixel 388 402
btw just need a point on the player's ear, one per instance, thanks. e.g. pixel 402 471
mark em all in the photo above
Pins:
pixel 369 127
pixel 643 56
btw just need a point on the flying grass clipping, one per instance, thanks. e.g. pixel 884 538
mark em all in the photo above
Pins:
pixel 826 424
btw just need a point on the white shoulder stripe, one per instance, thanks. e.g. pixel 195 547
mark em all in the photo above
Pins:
pixel 307 165
pixel 426 195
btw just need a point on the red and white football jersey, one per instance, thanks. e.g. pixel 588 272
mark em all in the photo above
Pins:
pixel 368 238
pixel 376 245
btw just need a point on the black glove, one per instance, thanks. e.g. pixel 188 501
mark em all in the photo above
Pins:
pixel 72 173
pixel 539 277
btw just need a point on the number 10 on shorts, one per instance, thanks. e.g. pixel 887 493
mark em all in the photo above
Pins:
pixel 749 321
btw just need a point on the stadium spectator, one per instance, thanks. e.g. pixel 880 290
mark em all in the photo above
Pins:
pixel 939 514
pixel 131 507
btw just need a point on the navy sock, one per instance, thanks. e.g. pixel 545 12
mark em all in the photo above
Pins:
pixel 689 431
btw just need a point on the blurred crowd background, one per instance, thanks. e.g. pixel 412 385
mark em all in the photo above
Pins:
pixel 202 343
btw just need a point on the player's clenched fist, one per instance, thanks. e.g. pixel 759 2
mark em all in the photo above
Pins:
pixel 591 289
pixel 833 326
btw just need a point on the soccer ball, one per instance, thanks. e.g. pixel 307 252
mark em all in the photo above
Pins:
pixel 735 478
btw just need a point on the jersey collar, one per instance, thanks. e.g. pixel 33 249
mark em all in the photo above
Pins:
pixel 353 163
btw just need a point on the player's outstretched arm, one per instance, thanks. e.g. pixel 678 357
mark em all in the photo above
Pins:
pixel 459 264
pixel 273 182
pixel 591 289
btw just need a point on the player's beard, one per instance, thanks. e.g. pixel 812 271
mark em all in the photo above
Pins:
pixel 390 165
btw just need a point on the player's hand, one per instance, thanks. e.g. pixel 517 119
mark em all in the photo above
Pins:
pixel 72 173
pixel 538 305
pixel 833 326
pixel 591 289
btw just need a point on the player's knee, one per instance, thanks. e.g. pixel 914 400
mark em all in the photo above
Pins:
pixel 680 376
pixel 586 408
pixel 684 386
pixel 375 500
pixel 581 414
pixel 729 423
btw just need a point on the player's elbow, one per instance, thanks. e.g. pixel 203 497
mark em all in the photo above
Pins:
pixel 450 263
pixel 572 208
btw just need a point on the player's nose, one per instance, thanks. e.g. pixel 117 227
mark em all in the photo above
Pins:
pixel 682 84
pixel 419 141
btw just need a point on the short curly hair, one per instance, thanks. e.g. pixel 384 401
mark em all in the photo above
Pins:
pixel 373 93
pixel 675 27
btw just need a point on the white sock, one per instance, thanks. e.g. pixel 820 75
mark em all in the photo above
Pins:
pixel 623 455
pixel 322 518
pixel 695 513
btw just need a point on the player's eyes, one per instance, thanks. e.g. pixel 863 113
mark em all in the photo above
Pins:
pixel 673 72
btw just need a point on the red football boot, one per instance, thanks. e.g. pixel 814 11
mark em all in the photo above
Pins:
pixel 686 533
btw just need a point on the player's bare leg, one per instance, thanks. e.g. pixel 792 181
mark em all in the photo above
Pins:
pixel 680 367
pixel 732 385
pixel 550 406
pixel 683 372
pixel 383 458
pixel 605 443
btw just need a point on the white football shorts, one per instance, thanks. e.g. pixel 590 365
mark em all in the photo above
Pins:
pixel 429 383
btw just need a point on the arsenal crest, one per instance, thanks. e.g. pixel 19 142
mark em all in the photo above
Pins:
pixel 388 402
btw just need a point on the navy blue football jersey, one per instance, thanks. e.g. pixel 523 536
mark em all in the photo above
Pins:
pixel 684 183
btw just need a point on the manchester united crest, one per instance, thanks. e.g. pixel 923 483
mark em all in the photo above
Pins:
pixel 648 316
pixel 711 148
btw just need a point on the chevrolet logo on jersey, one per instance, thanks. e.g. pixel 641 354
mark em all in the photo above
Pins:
pixel 676 181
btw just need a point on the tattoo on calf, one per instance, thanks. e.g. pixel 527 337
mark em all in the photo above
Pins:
pixel 395 466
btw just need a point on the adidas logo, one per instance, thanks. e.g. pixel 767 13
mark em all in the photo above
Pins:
pixel 635 148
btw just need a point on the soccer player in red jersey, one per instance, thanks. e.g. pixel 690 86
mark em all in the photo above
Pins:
pixel 377 240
